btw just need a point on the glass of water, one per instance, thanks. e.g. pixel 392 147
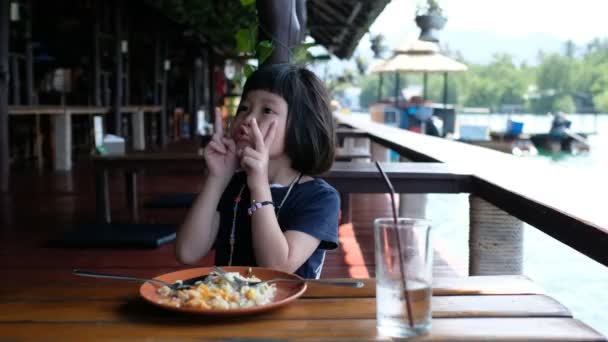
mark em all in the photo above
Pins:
pixel 404 271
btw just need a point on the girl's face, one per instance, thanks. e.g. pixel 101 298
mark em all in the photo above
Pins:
pixel 265 107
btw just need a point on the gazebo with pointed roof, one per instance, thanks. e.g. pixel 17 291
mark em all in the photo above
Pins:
pixel 419 56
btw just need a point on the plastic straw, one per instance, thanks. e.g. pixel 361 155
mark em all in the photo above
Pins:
pixel 408 305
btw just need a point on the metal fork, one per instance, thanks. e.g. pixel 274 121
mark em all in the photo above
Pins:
pixel 242 282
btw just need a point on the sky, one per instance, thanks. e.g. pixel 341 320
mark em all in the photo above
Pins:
pixel 480 28
pixel 578 20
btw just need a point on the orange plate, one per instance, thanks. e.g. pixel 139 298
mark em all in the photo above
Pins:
pixel 286 292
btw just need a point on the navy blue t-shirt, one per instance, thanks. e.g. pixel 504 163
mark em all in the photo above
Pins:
pixel 312 207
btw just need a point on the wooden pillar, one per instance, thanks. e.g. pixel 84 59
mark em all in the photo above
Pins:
pixel 412 205
pixel 4 46
pixel 16 78
pixel 425 79
pixel 163 94
pixel 211 85
pixel 380 83
pixel 397 87
pixel 157 68
pixel 97 54
pixel 278 22
pixel 29 57
pixel 302 15
pixel 118 70
pixel 495 240
pixel 198 76
pixel 126 50
pixel 62 142
pixel 127 78
pixel 139 129
pixel 445 90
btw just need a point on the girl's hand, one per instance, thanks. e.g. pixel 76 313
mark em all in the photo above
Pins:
pixel 255 161
pixel 220 153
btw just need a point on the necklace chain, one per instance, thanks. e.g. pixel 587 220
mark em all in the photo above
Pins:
pixel 235 210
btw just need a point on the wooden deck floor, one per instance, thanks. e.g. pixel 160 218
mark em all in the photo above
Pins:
pixel 39 207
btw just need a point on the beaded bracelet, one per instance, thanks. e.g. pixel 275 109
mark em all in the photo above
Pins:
pixel 257 205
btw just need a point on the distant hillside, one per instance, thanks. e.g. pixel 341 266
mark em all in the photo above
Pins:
pixel 478 47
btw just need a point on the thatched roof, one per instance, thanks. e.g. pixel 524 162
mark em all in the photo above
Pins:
pixel 418 56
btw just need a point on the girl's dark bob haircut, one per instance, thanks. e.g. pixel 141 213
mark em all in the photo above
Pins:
pixel 310 132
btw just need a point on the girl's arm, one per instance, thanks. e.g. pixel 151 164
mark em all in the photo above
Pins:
pixel 273 248
pixel 198 232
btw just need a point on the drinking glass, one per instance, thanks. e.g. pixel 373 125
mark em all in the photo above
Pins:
pixel 404 268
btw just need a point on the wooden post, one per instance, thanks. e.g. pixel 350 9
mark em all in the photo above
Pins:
pixel 132 203
pixel 425 79
pixel 16 78
pixel 157 67
pixel 102 196
pixel 302 15
pixel 445 90
pixel 397 86
pixel 211 85
pixel 163 95
pixel 278 22
pixel 97 55
pixel 29 57
pixel 118 89
pixel 4 151
pixel 380 81
pixel 139 129
pixel 127 78
pixel 495 240
pixel 125 35
pixel 62 141
pixel 198 73
pixel 412 205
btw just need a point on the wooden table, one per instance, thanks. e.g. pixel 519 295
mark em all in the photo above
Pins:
pixel 62 127
pixel 346 177
pixel 464 309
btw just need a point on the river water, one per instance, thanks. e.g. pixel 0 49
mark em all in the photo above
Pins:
pixel 573 279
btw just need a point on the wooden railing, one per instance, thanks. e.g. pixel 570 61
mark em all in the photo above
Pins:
pixel 504 190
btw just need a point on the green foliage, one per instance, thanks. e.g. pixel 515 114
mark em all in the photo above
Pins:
pixel 601 101
pixel 264 50
pixel 564 104
pixel 557 83
pixel 218 21
pixel 248 70
pixel 300 53
pixel 245 39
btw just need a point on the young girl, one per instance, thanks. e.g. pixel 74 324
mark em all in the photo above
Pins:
pixel 272 212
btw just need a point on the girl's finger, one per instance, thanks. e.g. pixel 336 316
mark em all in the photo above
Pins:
pixel 272 129
pixel 229 144
pixel 217 138
pixel 249 152
pixel 219 128
pixel 257 135
pixel 248 163
pixel 217 147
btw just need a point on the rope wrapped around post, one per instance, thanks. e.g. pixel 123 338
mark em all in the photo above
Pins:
pixel 495 240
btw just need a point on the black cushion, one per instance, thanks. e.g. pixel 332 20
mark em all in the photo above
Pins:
pixel 172 201
pixel 117 236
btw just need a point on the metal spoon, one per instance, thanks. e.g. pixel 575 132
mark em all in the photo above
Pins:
pixel 178 285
